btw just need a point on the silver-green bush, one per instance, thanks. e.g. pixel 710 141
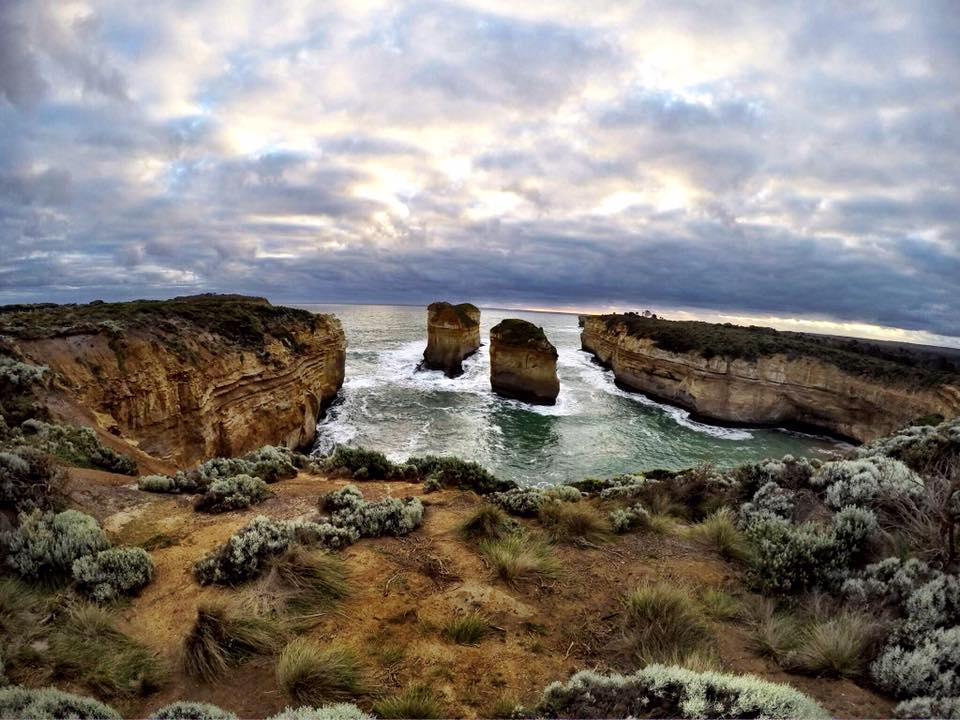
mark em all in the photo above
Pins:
pixel 674 692
pixel 389 516
pixel 48 544
pixel 930 668
pixel 770 501
pixel 77 446
pixel 245 554
pixel 928 707
pixel 870 481
pixel 624 520
pixel 339 711
pixel 186 710
pixel 232 493
pixel 525 502
pixel 179 483
pixel 50 704
pixel 113 573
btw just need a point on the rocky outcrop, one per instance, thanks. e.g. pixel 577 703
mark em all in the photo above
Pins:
pixel 188 379
pixel 523 363
pixel 775 390
pixel 453 333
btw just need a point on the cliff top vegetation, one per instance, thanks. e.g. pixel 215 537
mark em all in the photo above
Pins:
pixel 244 320
pixel 513 331
pixel 464 311
pixel 888 362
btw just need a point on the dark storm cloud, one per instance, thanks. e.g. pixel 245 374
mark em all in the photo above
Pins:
pixel 765 158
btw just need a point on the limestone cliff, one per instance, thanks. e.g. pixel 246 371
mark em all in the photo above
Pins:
pixel 453 333
pixel 523 363
pixel 781 389
pixel 190 378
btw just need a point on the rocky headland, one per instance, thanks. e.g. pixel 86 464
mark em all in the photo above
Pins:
pixel 188 378
pixel 852 389
pixel 453 333
pixel 523 363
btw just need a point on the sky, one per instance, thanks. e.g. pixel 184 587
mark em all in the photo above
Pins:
pixel 793 163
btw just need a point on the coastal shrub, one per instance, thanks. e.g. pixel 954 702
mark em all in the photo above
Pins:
pixel 78 446
pixel 113 573
pixel 232 493
pixel 929 668
pixel 625 486
pixel 520 558
pixel 87 648
pixel 49 703
pixel 871 481
pixel 924 448
pixel 487 522
pixel 573 522
pixel 769 501
pixel 245 554
pixel 623 520
pixel 269 463
pixel 46 544
pixel 310 579
pixel 660 623
pixel 467 630
pixel 788 472
pixel 310 674
pixel 566 493
pixel 180 483
pixel 322 534
pixel 337 711
pixel 388 516
pixel 186 710
pixel 453 472
pixel 346 498
pixel 221 639
pixel 928 707
pixel 673 692
pixel 524 502
pixel 789 558
pixel 29 480
pixel 417 701
pixel 888 583
pixel 360 464
pixel 719 532
pixel 838 646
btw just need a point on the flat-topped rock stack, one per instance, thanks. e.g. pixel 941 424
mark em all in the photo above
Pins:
pixel 523 363
pixel 453 333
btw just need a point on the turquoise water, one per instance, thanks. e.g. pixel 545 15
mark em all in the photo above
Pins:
pixel 594 430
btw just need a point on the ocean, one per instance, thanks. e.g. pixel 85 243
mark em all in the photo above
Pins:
pixel 595 429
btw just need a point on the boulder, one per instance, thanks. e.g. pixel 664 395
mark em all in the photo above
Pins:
pixel 453 333
pixel 523 363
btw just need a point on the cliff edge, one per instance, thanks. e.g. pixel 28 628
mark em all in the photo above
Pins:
pixel 189 378
pixel 523 363
pixel 453 333
pixel 853 389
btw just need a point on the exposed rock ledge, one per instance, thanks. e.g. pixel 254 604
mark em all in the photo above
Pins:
pixel 774 390
pixel 523 363
pixel 192 378
pixel 453 333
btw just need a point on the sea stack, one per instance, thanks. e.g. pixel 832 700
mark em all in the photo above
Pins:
pixel 523 363
pixel 453 333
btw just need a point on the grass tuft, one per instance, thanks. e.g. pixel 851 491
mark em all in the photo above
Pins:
pixel 314 675
pixel 660 623
pixel 487 522
pixel 310 579
pixel 519 559
pixel 661 524
pixel 467 630
pixel 720 605
pixel 578 522
pixel 773 633
pixel 417 701
pixel 220 640
pixel 720 532
pixel 841 646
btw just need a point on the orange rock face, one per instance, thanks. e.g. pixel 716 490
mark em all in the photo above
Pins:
pixel 183 392
pixel 773 390
pixel 453 333
pixel 523 363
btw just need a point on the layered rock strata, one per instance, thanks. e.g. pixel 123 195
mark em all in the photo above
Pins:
pixel 774 390
pixel 453 333
pixel 523 363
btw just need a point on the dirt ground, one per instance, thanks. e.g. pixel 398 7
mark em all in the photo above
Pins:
pixel 402 591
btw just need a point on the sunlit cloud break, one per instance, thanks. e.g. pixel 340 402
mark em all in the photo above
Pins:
pixel 787 161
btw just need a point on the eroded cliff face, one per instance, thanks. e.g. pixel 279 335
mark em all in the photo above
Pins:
pixel 523 363
pixel 774 390
pixel 184 391
pixel 453 333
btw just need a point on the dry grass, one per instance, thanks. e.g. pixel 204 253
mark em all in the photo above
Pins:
pixel 487 522
pixel 467 630
pixel 575 522
pixel 309 580
pixel 773 633
pixel 519 559
pixel 314 675
pixel 661 524
pixel 418 701
pixel 660 623
pixel 719 532
pixel 839 646
pixel 720 605
pixel 221 639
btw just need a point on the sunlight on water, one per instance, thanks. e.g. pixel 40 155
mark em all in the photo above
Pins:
pixel 595 429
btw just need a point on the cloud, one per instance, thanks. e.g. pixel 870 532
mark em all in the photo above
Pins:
pixel 762 159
